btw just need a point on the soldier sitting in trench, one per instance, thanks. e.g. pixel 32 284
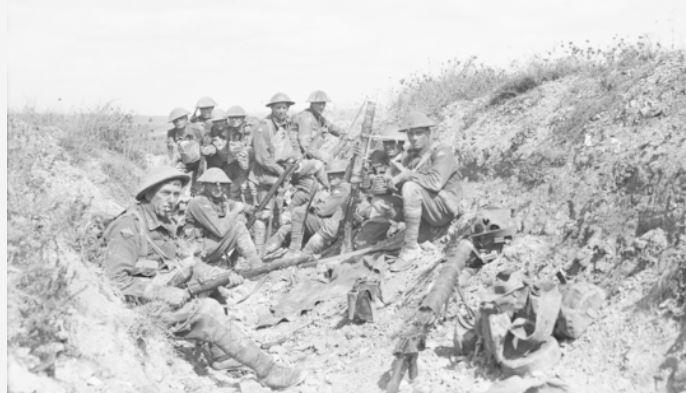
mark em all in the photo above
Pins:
pixel 429 183
pixel 321 221
pixel 216 224
pixel 149 265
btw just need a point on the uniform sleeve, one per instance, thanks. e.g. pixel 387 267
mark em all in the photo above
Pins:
pixel 306 123
pixel 436 175
pixel 334 129
pixel 204 215
pixel 121 256
pixel 336 200
pixel 262 155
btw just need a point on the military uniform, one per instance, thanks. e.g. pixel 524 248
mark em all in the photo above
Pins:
pixel 219 229
pixel 313 130
pixel 147 262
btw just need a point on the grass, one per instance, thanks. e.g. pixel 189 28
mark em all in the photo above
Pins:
pixel 470 80
pixel 39 145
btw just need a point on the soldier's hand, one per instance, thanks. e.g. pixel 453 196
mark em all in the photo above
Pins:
pixel 172 295
pixel 357 149
pixel 235 279
pixel 207 150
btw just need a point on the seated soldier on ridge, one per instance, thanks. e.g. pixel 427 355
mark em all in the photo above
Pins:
pixel 429 183
pixel 150 266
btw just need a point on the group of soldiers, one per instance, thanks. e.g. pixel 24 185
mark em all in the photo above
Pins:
pixel 233 164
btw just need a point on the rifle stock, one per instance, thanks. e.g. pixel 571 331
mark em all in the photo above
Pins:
pixel 272 191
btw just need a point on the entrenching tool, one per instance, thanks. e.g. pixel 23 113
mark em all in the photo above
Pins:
pixel 475 249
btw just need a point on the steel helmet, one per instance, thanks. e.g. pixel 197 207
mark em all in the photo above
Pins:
pixel 236 111
pixel 415 119
pixel 337 166
pixel 177 113
pixel 160 175
pixel 278 98
pixel 318 96
pixel 390 134
pixel 218 115
pixel 214 175
pixel 206 102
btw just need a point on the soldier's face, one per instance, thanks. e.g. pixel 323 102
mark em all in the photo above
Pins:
pixel 214 190
pixel 206 113
pixel 166 199
pixel 180 122
pixel 318 107
pixel 335 179
pixel 392 148
pixel 419 137
pixel 235 122
pixel 280 111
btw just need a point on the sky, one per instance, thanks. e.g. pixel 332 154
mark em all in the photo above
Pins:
pixel 150 56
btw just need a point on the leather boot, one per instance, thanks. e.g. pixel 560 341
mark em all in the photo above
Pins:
pixel 245 246
pixel 315 245
pixel 239 346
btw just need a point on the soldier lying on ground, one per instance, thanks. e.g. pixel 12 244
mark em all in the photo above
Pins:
pixel 148 264
pixel 215 223
pixel 429 182
pixel 322 220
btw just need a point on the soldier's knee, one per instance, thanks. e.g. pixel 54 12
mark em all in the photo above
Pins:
pixel 411 190
pixel 210 307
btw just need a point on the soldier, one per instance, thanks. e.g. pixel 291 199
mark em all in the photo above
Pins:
pixel 147 263
pixel 322 220
pixel 240 149
pixel 203 110
pixel 381 211
pixel 429 182
pixel 313 128
pixel 215 143
pixel 275 143
pixel 183 142
pixel 215 223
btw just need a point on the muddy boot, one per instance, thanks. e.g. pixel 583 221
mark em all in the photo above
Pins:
pixel 315 245
pixel 245 246
pixel 239 346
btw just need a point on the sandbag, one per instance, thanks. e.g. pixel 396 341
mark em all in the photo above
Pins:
pixel 581 303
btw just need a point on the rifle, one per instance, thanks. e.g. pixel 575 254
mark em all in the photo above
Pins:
pixel 354 176
pixel 272 191
pixel 340 146
pixel 228 277
pixel 460 253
